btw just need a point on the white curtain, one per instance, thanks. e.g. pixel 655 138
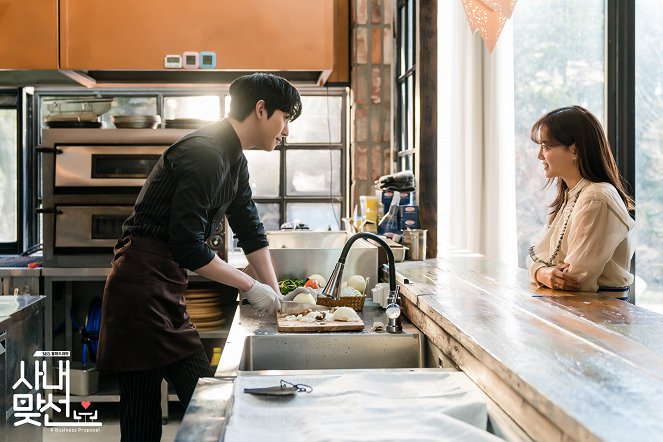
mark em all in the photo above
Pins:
pixel 476 170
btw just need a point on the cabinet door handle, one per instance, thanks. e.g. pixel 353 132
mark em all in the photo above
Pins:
pixel 49 211
pixel 53 150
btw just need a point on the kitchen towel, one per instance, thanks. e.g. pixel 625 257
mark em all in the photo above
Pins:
pixel 403 181
pixel 365 406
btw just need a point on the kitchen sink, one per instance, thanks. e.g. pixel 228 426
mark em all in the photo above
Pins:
pixel 332 351
pixel 298 254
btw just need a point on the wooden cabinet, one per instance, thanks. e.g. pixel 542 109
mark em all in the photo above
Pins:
pixel 341 71
pixel 28 34
pixel 246 35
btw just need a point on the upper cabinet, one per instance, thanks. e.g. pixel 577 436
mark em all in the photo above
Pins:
pixel 29 34
pixel 341 71
pixel 245 35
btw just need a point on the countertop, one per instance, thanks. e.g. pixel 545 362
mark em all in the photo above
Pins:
pixel 237 260
pixel 13 305
pixel 20 271
pixel 563 365
pixel 583 366
pixel 13 308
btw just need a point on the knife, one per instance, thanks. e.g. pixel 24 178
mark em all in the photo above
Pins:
pixel 291 307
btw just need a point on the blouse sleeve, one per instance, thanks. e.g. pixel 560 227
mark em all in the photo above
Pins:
pixel 532 267
pixel 592 240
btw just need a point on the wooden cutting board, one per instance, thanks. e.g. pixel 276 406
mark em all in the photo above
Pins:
pixel 322 326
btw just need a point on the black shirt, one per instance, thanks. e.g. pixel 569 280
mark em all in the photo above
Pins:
pixel 196 181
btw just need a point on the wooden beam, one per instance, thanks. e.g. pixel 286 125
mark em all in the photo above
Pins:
pixel 341 72
pixel 426 110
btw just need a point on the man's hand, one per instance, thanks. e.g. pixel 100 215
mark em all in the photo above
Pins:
pixel 290 296
pixel 263 298
pixel 557 278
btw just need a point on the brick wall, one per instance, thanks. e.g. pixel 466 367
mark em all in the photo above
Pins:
pixel 371 79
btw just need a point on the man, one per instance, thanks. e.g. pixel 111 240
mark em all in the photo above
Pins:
pixel 146 334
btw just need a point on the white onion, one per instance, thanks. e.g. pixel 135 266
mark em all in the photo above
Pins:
pixel 321 279
pixel 357 282
pixel 304 298
pixel 345 314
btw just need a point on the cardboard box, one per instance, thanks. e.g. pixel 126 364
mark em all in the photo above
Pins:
pixel 408 224
pixel 408 217
pixel 388 195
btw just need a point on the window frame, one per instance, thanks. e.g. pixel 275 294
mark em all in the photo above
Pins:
pixel 342 146
pixel 620 80
pixel 423 72
pixel 17 247
pixel 405 143
pixel 620 95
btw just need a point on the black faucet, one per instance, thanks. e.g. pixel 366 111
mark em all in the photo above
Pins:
pixel 332 289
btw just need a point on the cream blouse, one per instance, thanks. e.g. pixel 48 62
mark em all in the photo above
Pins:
pixel 599 240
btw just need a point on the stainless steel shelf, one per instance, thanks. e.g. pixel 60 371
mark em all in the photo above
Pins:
pixel 214 334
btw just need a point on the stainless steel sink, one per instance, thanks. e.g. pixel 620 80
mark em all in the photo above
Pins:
pixel 330 351
pixel 298 254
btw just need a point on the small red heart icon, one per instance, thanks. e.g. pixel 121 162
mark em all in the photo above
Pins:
pixel 85 404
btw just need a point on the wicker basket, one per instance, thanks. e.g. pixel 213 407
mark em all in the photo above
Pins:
pixel 356 302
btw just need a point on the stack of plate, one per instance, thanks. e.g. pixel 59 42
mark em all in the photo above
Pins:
pixel 136 121
pixel 204 308
pixel 76 111
pixel 186 123
pixel 61 124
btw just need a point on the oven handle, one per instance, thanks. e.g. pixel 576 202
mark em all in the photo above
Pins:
pixel 53 150
pixel 52 210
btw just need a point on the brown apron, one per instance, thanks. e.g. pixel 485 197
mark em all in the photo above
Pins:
pixel 144 323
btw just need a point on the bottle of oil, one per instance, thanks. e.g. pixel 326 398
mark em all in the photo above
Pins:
pixel 216 356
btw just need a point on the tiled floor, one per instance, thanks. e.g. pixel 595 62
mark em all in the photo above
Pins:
pixel 110 430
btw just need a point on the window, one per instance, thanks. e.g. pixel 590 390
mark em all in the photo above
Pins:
pixel 405 83
pixel 559 67
pixel 130 106
pixel 204 107
pixel 306 176
pixel 9 192
pixel 649 153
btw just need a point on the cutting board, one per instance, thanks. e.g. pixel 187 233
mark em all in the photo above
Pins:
pixel 323 326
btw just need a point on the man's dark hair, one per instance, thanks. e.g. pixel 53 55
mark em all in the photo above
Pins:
pixel 277 93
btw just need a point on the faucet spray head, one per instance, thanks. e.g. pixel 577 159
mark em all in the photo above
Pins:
pixel 333 287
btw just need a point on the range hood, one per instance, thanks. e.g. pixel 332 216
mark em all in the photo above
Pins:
pixel 149 78
pixel 145 78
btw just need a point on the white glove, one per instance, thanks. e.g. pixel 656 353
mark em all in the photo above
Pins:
pixel 290 296
pixel 263 298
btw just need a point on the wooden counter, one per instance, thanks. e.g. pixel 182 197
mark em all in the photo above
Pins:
pixel 563 365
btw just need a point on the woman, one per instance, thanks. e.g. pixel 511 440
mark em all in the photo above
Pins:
pixel 589 240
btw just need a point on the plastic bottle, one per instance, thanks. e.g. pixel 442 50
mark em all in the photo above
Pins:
pixel 388 225
pixel 216 356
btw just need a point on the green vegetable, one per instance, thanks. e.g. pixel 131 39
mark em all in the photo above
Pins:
pixel 288 285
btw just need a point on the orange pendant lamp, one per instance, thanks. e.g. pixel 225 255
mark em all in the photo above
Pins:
pixel 488 17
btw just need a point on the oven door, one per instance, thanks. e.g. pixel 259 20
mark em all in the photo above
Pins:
pixel 89 227
pixel 105 166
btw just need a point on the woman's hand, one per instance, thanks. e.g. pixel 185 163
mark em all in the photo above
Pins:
pixel 557 278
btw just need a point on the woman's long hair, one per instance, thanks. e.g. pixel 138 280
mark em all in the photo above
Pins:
pixel 576 125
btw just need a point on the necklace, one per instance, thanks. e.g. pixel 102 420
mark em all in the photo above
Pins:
pixel 549 263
